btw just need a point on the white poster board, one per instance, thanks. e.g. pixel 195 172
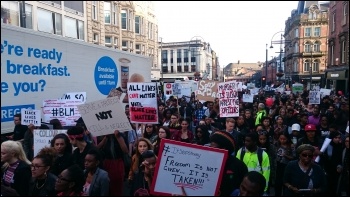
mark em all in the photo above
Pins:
pixel 143 102
pixel 43 137
pixel 77 97
pixel 64 110
pixel 104 116
pixel 314 97
pixel 325 92
pixel 248 98
pixel 197 168
pixel 30 116
pixel 228 99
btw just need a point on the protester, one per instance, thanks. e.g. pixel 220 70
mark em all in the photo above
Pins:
pixel 19 130
pixel 15 171
pixel 96 179
pixel 202 135
pixel 43 182
pixel 300 173
pixel 64 151
pixel 163 133
pixel 253 184
pixel 70 182
pixel 343 169
pixel 28 140
pixel 184 134
pixel 150 132
pixel 234 169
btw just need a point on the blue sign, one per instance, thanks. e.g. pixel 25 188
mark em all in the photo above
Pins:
pixel 106 75
pixel 7 112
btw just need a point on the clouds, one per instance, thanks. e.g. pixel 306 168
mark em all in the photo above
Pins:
pixel 235 30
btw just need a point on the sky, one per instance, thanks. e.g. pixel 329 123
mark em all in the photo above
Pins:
pixel 236 30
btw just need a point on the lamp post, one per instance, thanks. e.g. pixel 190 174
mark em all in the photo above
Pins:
pixel 161 57
pixel 266 64
pixel 311 65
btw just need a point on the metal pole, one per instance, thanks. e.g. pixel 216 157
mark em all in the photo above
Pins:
pixel 161 58
pixel 22 14
pixel 311 65
pixel 280 63
pixel 266 66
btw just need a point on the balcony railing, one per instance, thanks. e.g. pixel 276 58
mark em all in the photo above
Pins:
pixel 314 54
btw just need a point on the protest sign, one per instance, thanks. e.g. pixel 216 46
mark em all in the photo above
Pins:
pixel 325 92
pixel 143 102
pixel 197 168
pixel 115 93
pixel 168 89
pixel 314 97
pixel 298 87
pixel 30 116
pixel 228 99
pixel 64 110
pixel 76 97
pixel 103 117
pixel 43 137
pixel 207 90
pixel 248 98
pixel 176 89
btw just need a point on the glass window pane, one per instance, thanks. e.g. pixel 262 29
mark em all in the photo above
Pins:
pixel 58 24
pixel 45 21
pixel 124 19
pixel 74 5
pixel 107 9
pixel 81 30
pixel 29 17
pixel 71 27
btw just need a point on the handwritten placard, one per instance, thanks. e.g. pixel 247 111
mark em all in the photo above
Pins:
pixel 30 116
pixel 76 97
pixel 65 110
pixel 314 97
pixel 143 102
pixel 103 117
pixel 248 98
pixel 197 168
pixel 228 99
pixel 115 93
pixel 43 137
pixel 207 90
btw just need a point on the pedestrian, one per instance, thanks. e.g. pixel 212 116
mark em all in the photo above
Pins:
pixel 253 184
pixel 70 182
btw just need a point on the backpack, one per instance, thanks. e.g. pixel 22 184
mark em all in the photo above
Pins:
pixel 260 155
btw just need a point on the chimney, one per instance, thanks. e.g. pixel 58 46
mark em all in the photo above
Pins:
pixel 239 61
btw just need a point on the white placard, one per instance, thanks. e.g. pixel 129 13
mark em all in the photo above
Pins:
pixel 79 97
pixel 197 168
pixel 43 137
pixel 325 92
pixel 143 102
pixel 103 117
pixel 30 116
pixel 65 111
pixel 314 97
pixel 325 144
pixel 248 98
pixel 228 99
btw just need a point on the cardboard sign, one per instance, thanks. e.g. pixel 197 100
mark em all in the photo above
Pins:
pixel 30 116
pixel 143 102
pixel 43 137
pixel 297 88
pixel 168 89
pixel 197 168
pixel 103 117
pixel 228 99
pixel 248 98
pixel 314 97
pixel 207 90
pixel 65 111
pixel 115 93
pixel 77 97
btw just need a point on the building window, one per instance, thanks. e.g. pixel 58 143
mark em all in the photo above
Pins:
pixel 317 46
pixel 95 38
pixel 312 15
pixel 307 47
pixel 185 53
pixel 179 67
pixel 193 68
pixel 333 22
pixel 124 44
pixel 332 54
pixel 137 25
pixel 317 31
pixel 130 17
pixel 185 66
pixel 295 66
pixel 345 13
pixel 315 66
pixel 296 33
pixel 76 7
pixel 307 66
pixel 94 10
pixel 74 28
pixel 343 51
pixel 138 48
pixel 107 11
pixel 179 53
pixel 164 54
pixel 115 14
pixel 10 11
pixel 108 40
pixel 124 19
pixel 49 22
pixel 307 32
pixel 296 47
pixel 116 43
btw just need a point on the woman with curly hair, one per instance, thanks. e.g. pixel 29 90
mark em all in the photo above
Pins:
pixel 43 182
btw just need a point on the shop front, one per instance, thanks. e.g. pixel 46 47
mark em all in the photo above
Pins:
pixel 338 80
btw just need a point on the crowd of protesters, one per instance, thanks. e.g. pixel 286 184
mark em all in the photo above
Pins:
pixel 271 145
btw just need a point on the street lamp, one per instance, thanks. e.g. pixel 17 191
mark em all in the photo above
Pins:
pixel 280 42
pixel 265 64
pixel 311 65
pixel 161 57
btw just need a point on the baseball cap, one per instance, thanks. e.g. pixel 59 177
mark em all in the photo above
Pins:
pixel 295 127
pixel 310 127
